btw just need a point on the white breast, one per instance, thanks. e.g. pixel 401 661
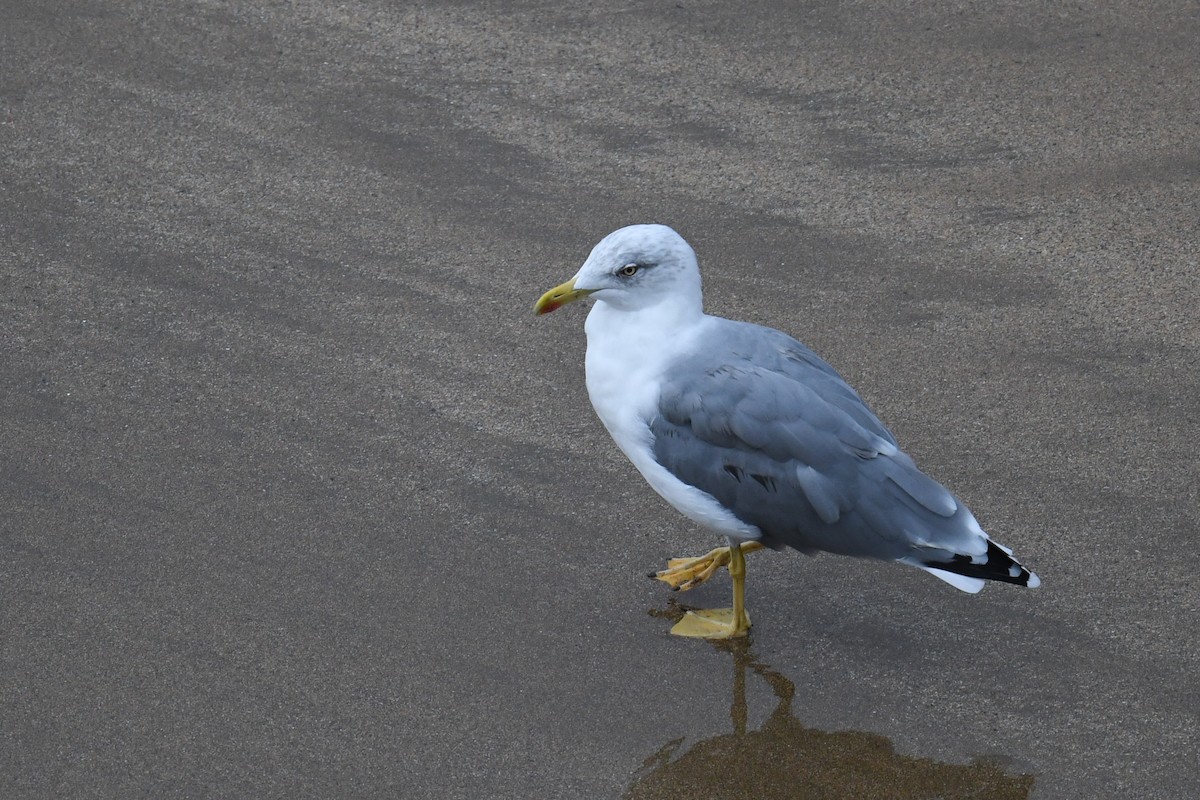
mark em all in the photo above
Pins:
pixel 627 354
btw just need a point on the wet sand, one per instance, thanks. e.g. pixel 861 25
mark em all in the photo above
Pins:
pixel 300 499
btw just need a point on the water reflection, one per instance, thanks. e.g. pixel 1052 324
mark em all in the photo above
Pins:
pixel 784 759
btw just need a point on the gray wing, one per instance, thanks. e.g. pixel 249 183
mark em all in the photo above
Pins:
pixel 779 438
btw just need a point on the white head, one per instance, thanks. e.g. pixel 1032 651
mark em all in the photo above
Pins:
pixel 631 269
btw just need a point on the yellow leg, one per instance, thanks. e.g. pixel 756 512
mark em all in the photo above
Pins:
pixel 721 623
pixel 682 574
pixel 737 571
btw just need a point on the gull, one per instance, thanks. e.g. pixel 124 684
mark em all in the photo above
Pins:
pixel 749 433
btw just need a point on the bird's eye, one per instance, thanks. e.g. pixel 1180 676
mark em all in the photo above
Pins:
pixel 628 271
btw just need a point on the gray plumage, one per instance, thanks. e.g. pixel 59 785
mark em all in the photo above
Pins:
pixel 760 422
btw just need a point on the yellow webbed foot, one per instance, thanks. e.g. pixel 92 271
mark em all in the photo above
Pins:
pixel 682 574
pixel 713 623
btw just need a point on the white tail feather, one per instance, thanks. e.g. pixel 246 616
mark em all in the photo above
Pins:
pixel 972 585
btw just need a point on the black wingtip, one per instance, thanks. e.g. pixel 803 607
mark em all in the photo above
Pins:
pixel 998 566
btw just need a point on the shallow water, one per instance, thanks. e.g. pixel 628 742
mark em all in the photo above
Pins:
pixel 784 758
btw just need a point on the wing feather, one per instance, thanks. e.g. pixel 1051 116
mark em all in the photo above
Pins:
pixel 779 438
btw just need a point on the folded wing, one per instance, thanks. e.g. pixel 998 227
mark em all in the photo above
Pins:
pixel 780 439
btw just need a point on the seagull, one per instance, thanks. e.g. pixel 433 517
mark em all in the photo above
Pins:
pixel 749 433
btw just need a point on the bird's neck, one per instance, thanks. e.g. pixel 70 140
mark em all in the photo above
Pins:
pixel 666 318
pixel 627 351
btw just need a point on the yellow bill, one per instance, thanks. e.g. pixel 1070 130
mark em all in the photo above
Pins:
pixel 559 296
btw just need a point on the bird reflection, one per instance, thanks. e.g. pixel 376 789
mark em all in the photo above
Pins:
pixel 784 759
